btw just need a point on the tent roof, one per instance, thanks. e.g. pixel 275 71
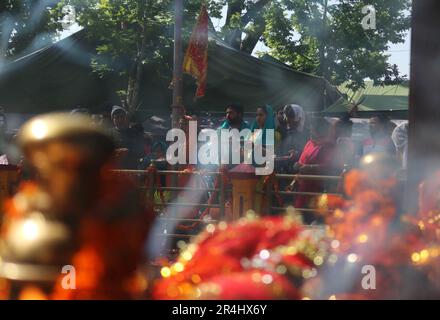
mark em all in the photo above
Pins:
pixel 56 77
pixel 373 99
pixel 234 76
pixel 60 77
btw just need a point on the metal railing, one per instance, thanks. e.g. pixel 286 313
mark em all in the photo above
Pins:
pixel 222 192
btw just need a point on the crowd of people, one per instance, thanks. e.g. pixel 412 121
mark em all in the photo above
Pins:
pixel 306 139
pixel 307 144
pixel 304 143
pixel 99 222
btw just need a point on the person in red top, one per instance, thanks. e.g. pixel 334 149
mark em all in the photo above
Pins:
pixel 316 158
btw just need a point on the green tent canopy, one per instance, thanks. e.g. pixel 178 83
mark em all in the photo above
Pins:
pixel 392 100
pixel 239 77
pixel 60 77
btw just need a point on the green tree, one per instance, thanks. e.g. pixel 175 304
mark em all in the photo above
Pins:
pixel 245 23
pixel 323 37
pixel 327 38
pixel 25 25
pixel 133 34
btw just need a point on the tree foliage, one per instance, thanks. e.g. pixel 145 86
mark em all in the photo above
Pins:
pixel 25 25
pixel 336 45
pixel 323 37
pixel 131 35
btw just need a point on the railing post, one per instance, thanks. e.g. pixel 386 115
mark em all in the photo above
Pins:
pixel 222 192
pixel 269 189
pixel 150 186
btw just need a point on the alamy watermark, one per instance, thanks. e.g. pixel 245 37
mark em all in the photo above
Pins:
pixel 68 282
pixel 69 16
pixel 369 21
pixel 369 280
pixel 222 147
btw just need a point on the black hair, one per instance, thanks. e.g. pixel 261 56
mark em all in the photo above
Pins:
pixel 383 118
pixel 345 126
pixel 345 122
pixel 346 118
pixel 237 107
pixel 159 144
pixel 264 108
pixel 321 126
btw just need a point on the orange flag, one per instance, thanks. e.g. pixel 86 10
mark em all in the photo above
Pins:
pixel 195 62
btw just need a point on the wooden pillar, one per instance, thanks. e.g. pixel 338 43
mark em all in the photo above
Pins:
pixel 243 181
pixel 424 109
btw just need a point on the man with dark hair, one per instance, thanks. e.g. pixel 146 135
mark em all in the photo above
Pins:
pixel 129 139
pixel 380 141
pixel 234 118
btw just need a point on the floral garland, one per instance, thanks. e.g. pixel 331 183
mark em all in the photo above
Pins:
pixel 368 231
pixel 253 258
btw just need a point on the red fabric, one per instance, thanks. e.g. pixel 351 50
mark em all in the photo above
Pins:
pixel 111 241
pixel 313 154
pixel 218 260
pixel 317 153
pixel 241 286
pixel 195 62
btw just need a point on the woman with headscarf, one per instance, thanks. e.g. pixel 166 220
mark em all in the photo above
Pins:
pixel 295 116
pixel 259 136
pixel 264 120
pixel 294 137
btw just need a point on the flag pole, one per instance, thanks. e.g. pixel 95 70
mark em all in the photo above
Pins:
pixel 177 106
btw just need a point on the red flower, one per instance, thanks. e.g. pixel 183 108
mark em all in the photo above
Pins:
pixel 232 264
